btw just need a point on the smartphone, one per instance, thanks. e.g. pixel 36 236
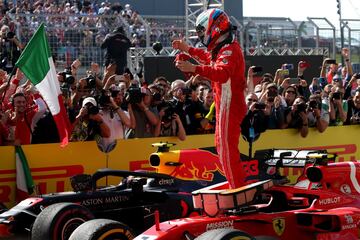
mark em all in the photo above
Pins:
pixel 257 69
pixel 284 72
pixel 357 76
pixel 294 81
pixel 331 61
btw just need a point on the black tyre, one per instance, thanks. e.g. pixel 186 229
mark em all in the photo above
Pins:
pixel 59 220
pixel 102 229
pixel 225 234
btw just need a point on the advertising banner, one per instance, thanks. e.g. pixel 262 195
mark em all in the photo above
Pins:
pixel 51 166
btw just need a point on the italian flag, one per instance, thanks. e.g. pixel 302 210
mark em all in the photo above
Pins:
pixel 38 66
pixel 24 181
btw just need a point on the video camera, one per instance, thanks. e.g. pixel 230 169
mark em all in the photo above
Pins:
pixel 104 99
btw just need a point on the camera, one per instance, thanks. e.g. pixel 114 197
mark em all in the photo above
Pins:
pixel 156 97
pixel 259 106
pixel 104 99
pixel 336 96
pixel 92 110
pixel 300 107
pixel 90 81
pixel 170 109
pixel 133 94
pixel 157 46
pixel 68 78
pixel 313 104
pixel 10 35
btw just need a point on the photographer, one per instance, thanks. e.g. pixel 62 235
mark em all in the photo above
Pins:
pixel 170 123
pixel 256 118
pixel 86 87
pixel 353 114
pixel 338 107
pixel 352 85
pixel 116 45
pixel 146 117
pixel 179 93
pixel 10 49
pixel 89 124
pixel 318 113
pixel 297 116
pixel 115 118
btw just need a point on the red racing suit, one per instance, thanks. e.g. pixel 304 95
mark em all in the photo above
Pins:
pixel 227 74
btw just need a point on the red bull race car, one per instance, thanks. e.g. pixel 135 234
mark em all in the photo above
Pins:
pixel 323 204
pixel 133 201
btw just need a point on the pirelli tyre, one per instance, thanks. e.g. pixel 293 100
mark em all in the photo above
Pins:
pixel 102 229
pixel 59 220
pixel 225 234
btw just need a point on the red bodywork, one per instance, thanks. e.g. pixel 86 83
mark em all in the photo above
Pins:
pixel 325 208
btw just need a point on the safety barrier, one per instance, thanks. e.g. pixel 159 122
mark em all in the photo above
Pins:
pixel 51 165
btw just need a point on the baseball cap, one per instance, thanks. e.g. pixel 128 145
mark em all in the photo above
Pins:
pixel 89 100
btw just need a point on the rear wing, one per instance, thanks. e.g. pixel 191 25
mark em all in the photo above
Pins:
pixel 294 158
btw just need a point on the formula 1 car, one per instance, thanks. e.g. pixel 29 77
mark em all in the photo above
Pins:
pixel 324 203
pixel 133 201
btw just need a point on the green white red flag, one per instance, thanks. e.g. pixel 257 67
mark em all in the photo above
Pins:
pixel 38 66
pixel 24 180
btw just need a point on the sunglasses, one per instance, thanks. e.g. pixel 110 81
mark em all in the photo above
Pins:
pixel 251 100
pixel 293 92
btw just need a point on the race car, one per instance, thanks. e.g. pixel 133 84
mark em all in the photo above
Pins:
pixel 324 203
pixel 133 201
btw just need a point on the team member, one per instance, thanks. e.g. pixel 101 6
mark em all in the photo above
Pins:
pixel 222 63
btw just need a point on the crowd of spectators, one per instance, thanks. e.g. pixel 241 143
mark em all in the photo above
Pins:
pixel 330 99
pixel 76 28
pixel 105 105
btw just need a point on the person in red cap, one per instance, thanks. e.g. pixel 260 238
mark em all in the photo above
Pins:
pixel 223 63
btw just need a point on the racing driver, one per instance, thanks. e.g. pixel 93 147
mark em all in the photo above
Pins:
pixel 223 64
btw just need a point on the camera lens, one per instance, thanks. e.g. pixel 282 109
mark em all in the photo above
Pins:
pixel 92 110
pixel 91 81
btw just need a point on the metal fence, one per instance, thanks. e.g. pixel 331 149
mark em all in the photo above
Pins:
pixel 78 36
pixel 71 36
pixel 351 38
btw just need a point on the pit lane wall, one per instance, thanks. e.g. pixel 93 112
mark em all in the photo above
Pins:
pixel 51 165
